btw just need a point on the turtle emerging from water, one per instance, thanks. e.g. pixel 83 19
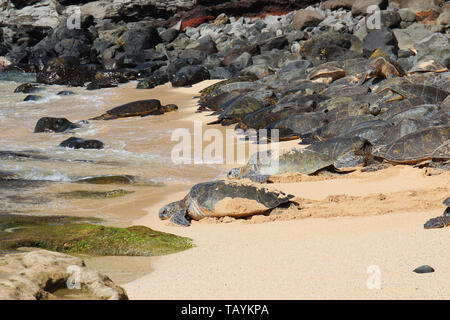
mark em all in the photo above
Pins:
pixel 140 108
pixel 382 66
pixel 441 221
pixel 220 199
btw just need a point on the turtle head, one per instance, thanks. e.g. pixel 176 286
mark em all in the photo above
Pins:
pixel 169 107
pixel 369 74
pixel 234 173
pixel 168 211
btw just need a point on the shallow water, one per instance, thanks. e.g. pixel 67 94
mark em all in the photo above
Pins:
pixel 136 146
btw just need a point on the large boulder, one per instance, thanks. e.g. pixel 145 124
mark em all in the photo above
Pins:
pixel 337 4
pixel 383 39
pixel 360 7
pixel 408 37
pixel 139 38
pixel 49 124
pixel 44 13
pixel 306 18
pixel 38 274
pixel 331 46
pixel 190 75
pixel 64 71
pixel 436 45
pixel 418 5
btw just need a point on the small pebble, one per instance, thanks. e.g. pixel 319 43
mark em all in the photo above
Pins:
pixel 424 269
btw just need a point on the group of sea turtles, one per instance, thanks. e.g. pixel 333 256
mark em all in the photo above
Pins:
pixel 354 112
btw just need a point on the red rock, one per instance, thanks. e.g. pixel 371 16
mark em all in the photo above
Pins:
pixel 427 17
pixel 195 22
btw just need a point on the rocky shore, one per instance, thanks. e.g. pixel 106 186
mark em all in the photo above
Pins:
pixel 358 89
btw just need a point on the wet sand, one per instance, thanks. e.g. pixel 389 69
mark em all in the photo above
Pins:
pixel 321 250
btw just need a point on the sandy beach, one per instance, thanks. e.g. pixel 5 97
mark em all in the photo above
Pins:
pixel 347 230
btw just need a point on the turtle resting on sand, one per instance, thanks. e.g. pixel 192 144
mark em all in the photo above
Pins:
pixel 381 66
pixel 221 198
pixel 441 221
pixel 137 108
pixel 429 143
pixel 262 165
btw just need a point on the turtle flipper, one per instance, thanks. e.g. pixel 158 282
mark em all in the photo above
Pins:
pixel 364 78
pixel 179 217
pixel 438 222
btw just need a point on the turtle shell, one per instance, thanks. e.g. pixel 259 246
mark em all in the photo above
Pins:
pixel 222 198
pixel 326 72
pixel 428 65
pixel 136 108
pixel 418 146
pixel 446 202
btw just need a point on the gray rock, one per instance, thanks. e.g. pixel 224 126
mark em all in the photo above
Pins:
pixel 382 39
pixel 436 45
pixel 35 275
pixel 306 18
pixel 407 38
pixel 360 6
pixel 424 269
pixel 407 15
pixel 241 62
pixel 220 73
pixel 259 70
pixel 169 35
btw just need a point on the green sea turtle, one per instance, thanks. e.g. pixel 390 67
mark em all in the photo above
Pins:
pixel 392 108
pixel 238 109
pixel 344 90
pixel 429 94
pixel 216 103
pixel 240 87
pixel 345 151
pixel 428 143
pixel 325 74
pixel 335 128
pixel 301 86
pixel 262 118
pixel 221 199
pixel 204 92
pixel 372 130
pixel 137 108
pixel 441 221
pixel 428 65
pixel 297 125
pixel 382 66
pixel 263 164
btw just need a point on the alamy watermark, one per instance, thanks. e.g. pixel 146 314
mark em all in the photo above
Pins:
pixel 74 280
pixel 373 19
pixel 74 18
pixel 374 280
pixel 214 146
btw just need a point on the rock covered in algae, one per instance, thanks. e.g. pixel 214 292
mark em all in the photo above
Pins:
pixel 76 235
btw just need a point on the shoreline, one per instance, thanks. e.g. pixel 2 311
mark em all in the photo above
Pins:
pixel 228 256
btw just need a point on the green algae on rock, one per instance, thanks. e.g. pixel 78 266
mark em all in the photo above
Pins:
pixel 86 194
pixel 76 236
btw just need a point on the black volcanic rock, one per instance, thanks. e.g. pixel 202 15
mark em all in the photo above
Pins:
pixel 64 71
pixel 190 75
pixel 48 124
pixel 78 143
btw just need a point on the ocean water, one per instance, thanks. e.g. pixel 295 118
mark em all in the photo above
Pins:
pixel 34 171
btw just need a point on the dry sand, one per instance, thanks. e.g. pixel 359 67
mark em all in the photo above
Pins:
pixel 328 247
